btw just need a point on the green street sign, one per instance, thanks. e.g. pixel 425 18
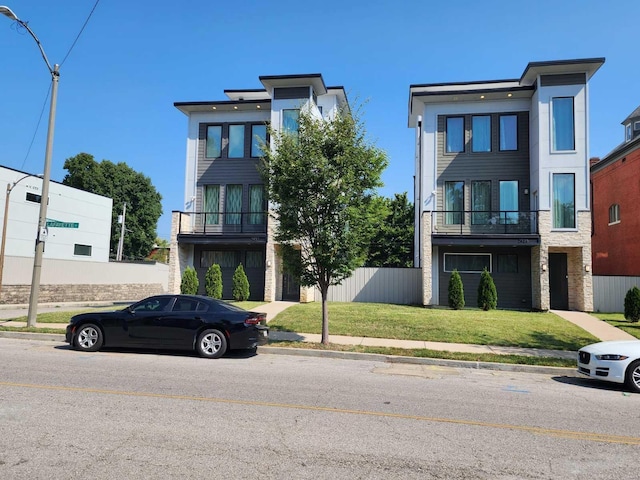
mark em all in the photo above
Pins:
pixel 58 224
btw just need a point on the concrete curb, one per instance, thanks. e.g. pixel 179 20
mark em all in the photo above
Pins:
pixel 376 357
pixel 373 357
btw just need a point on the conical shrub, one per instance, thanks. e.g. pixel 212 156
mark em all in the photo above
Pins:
pixel 456 291
pixel 632 304
pixel 240 285
pixel 487 293
pixel 189 283
pixel 213 281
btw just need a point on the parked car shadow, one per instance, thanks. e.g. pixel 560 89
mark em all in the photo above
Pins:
pixel 240 354
pixel 591 383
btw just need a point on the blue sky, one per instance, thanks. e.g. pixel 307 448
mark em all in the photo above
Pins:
pixel 135 58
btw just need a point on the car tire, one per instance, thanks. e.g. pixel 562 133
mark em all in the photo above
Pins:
pixel 88 338
pixel 211 344
pixel 632 376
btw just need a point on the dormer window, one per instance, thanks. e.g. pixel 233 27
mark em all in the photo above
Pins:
pixel 627 135
pixel 636 126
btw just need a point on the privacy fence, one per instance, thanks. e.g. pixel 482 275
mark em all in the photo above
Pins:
pixel 401 286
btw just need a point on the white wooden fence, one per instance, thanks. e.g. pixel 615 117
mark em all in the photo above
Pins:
pixel 609 292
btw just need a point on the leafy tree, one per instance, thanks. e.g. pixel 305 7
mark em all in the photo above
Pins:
pixel 213 281
pixel 487 293
pixel 392 242
pixel 632 304
pixel 190 283
pixel 123 184
pixel 321 180
pixel 240 285
pixel 456 291
pixel 160 251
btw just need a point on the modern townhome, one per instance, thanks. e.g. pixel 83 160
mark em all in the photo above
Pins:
pixel 225 218
pixel 502 183
pixel 615 199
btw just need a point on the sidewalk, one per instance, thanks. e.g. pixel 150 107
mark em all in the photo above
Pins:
pixel 593 325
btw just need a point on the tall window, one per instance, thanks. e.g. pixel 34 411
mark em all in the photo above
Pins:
pixel 212 204
pixel 236 141
pixel 614 213
pixel 628 133
pixel 563 201
pixel 455 134
pixel 509 201
pixel 256 205
pixel 481 133
pixel 562 123
pixel 454 202
pixel 258 138
pixel 480 202
pixel 290 121
pixel 233 205
pixel 214 141
pixel 508 132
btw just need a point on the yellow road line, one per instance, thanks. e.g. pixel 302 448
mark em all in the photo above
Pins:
pixel 558 433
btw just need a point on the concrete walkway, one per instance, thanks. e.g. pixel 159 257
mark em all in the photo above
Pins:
pixel 591 324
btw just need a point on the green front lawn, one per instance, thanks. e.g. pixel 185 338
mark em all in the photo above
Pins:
pixel 495 327
pixel 618 321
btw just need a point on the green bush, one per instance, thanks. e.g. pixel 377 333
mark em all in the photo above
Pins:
pixel 632 304
pixel 189 284
pixel 240 285
pixel 456 291
pixel 213 281
pixel 487 293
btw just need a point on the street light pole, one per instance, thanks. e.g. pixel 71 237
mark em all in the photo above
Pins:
pixel 10 187
pixel 44 199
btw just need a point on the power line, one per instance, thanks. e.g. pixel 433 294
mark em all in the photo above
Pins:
pixel 80 32
pixel 44 105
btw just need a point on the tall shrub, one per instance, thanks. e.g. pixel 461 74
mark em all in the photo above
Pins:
pixel 213 281
pixel 189 284
pixel 456 291
pixel 240 285
pixel 487 293
pixel 632 304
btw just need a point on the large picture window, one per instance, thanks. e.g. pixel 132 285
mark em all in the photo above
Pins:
pixel 454 202
pixel 508 132
pixel 214 141
pixel 563 132
pixel 564 200
pixel 258 138
pixel 480 202
pixel 467 262
pixel 455 135
pixel 236 141
pixel 233 205
pixel 481 133
pixel 509 202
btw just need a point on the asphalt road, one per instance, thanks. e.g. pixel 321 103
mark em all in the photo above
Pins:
pixel 120 415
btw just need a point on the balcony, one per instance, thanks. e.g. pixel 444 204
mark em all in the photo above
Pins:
pixel 489 223
pixel 239 224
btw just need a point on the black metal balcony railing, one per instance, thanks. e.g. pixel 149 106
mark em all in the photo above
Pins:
pixel 505 222
pixel 221 223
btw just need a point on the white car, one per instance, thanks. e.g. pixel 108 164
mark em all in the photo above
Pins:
pixel 616 361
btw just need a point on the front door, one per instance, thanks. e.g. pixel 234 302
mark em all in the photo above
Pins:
pixel 558 281
pixel 290 288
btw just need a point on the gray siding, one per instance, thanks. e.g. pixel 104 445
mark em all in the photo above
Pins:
pixel 402 286
pixel 609 292
pixel 494 166
pixel 563 79
pixel 226 171
pixel 514 289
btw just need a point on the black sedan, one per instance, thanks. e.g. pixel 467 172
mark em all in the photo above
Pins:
pixel 180 322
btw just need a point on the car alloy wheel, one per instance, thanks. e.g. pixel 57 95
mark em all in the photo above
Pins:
pixel 633 376
pixel 211 344
pixel 88 338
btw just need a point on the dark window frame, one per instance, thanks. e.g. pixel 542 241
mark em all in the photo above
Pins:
pixel 78 251
pixel 501 265
pixel 473 136
pixel 266 138
pixel 446 134
pixel 463 254
pixel 573 124
pixel 206 139
pixel 500 149
pixel 244 142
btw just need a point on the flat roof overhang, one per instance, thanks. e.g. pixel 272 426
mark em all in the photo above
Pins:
pixel 219 240
pixel 302 80
pixel 222 106
pixel 486 240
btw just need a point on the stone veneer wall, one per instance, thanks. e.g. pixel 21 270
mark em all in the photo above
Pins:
pixel 19 294
pixel 183 253
pixel 577 246
pixel 426 260
pixel 272 263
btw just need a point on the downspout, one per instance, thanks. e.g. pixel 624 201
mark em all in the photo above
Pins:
pixel 418 198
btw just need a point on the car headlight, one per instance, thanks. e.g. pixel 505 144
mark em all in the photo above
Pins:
pixel 611 357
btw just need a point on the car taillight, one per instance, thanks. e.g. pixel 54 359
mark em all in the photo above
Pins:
pixel 254 320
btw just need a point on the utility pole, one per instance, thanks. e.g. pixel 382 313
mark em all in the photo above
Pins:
pixel 122 230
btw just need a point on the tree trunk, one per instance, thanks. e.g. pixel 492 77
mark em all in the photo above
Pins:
pixel 324 291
